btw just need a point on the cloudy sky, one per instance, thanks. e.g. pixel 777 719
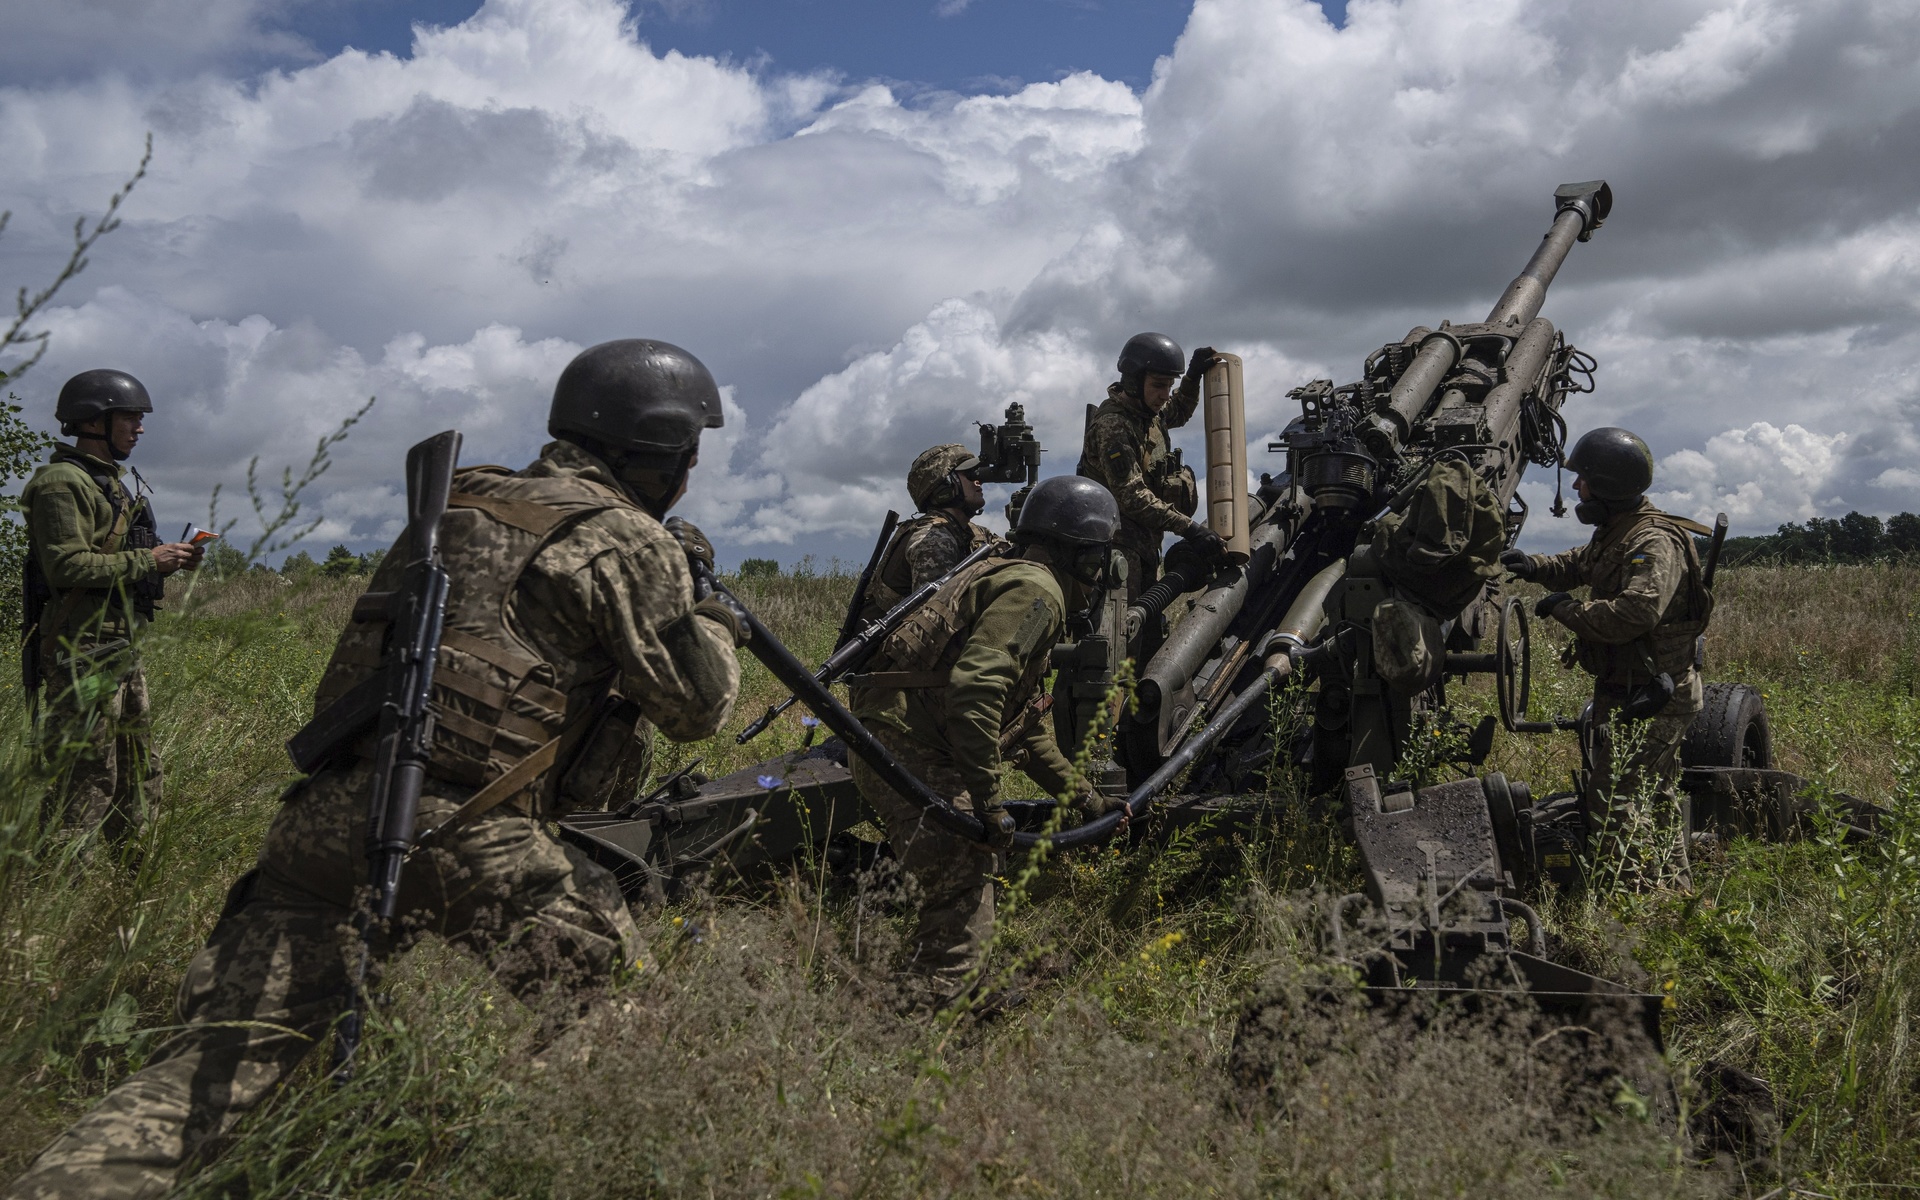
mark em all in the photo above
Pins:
pixel 880 220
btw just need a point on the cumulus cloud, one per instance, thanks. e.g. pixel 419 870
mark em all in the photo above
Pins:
pixel 869 275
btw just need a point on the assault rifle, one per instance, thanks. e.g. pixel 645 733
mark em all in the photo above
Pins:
pixel 850 624
pixel 394 701
pixel 854 651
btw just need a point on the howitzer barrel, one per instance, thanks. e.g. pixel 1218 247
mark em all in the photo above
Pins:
pixel 1581 207
pixel 1579 210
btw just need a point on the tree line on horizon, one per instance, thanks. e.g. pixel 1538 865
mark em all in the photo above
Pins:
pixel 1855 538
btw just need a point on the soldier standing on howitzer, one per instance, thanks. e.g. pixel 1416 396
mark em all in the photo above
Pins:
pixel 1127 451
pixel 570 624
pixel 952 694
pixel 944 484
pixel 93 572
pixel 1637 636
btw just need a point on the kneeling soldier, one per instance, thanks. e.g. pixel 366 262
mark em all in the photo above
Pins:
pixel 570 623
pixel 952 691
pixel 1636 635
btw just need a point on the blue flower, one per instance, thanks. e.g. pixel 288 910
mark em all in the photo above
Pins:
pixel 770 781
pixel 809 722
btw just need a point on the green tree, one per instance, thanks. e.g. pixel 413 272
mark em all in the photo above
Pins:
pixel 759 568
pixel 299 565
pixel 341 561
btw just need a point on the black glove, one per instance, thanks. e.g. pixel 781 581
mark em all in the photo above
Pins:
pixel 1204 540
pixel 1549 603
pixel 724 610
pixel 1203 357
pixel 1519 564
pixel 698 549
pixel 999 825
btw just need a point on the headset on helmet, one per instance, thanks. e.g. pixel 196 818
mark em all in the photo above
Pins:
pixel 930 481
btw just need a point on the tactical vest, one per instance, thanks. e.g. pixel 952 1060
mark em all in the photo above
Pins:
pixel 132 528
pixel 1669 646
pixel 922 652
pixel 1166 476
pixel 893 582
pixel 495 701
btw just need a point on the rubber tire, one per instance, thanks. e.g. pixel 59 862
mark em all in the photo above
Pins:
pixel 1731 730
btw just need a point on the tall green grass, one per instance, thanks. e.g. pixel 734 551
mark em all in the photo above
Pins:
pixel 756 1051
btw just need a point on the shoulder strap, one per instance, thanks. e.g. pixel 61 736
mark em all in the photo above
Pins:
pixel 531 516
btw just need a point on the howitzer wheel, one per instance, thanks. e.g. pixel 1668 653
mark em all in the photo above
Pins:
pixel 1513 664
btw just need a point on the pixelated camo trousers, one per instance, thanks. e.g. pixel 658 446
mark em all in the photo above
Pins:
pixel 264 991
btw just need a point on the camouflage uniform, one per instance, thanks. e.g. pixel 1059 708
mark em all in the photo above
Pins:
pixel 951 692
pixel 88 548
pixel 607 597
pixel 1127 449
pixel 922 550
pixel 1648 605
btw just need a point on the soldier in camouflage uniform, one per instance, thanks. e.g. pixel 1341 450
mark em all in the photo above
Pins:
pixel 1127 451
pixel 944 484
pixel 1636 633
pixel 570 622
pixel 93 572
pixel 952 694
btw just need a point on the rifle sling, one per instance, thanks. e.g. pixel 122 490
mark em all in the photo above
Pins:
pixel 900 679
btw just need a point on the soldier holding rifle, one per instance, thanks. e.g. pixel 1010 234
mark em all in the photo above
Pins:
pixel 570 625
pixel 951 693
pixel 1636 633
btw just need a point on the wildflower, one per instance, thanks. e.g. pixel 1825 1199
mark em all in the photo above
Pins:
pixel 769 782
pixel 809 722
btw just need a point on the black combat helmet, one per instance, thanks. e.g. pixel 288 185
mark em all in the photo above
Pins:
pixel 642 399
pixel 1071 509
pixel 93 393
pixel 1615 463
pixel 1151 353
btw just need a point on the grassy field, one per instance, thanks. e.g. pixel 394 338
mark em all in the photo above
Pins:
pixel 755 1051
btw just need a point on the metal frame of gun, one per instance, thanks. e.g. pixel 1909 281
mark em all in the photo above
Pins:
pixel 853 652
pixel 418 613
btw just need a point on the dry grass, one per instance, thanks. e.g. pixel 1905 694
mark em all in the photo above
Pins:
pixel 756 1053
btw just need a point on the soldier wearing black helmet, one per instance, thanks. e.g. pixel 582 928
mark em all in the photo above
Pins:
pixel 92 577
pixel 571 630
pixel 944 484
pixel 1127 451
pixel 1636 634
pixel 952 695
